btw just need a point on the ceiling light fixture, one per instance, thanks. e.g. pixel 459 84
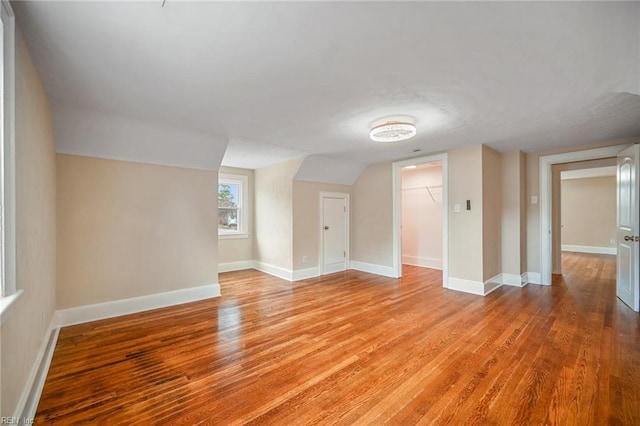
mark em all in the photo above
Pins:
pixel 393 131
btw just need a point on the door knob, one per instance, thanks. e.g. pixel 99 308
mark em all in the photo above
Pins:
pixel 632 238
pixel 326 227
pixel 628 238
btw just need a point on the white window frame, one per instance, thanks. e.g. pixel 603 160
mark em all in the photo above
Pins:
pixel 7 162
pixel 243 200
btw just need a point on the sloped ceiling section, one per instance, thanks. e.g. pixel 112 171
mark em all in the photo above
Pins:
pixel 320 168
pixel 94 134
pixel 312 77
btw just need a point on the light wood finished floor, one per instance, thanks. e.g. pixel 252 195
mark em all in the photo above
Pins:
pixel 353 348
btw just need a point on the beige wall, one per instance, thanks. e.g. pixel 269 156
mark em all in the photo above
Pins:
pixel 239 249
pixel 372 216
pixel 422 216
pixel 512 219
pixel 306 220
pixel 27 321
pixel 465 227
pixel 131 229
pixel 274 213
pixel 589 211
pixel 491 213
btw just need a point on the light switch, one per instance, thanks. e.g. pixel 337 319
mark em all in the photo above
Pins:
pixel 534 199
pixel 456 208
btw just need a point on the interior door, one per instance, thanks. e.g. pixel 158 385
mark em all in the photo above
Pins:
pixel 334 237
pixel 628 267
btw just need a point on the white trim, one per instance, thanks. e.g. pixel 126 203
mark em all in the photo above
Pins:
pixel 588 173
pixel 514 280
pixel 235 266
pixel 531 278
pixel 7 301
pixel 492 284
pixel 589 249
pixel 276 271
pixel 467 286
pixel 386 271
pixel 397 212
pixel 345 197
pixel 303 274
pixel 232 236
pixel 7 176
pixel 28 402
pixel 115 308
pixel 423 262
pixel 545 197
pixel 475 287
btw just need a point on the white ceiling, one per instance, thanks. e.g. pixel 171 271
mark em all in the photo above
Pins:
pixel 280 80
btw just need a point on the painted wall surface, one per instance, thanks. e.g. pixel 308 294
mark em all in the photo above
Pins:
pixel 512 224
pixel 131 229
pixel 26 322
pixel 589 211
pixel 372 216
pixel 274 213
pixel 306 220
pixel 465 227
pixel 239 249
pixel 533 188
pixel 422 216
pixel 491 213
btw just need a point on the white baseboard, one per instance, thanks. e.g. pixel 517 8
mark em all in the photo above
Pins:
pixel 87 313
pixel 423 262
pixel 531 278
pixel 276 271
pixel 335 267
pixel 475 287
pixel 235 266
pixel 467 286
pixel 28 402
pixel 492 284
pixel 303 274
pixel 589 249
pixel 386 271
pixel 514 280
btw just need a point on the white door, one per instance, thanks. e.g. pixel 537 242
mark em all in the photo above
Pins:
pixel 628 271
pixel 334 234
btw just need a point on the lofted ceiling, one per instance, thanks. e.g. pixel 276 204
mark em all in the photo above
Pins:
pixel 281 80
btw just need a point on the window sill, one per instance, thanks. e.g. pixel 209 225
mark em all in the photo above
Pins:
pixel 232 236
pixel 7 301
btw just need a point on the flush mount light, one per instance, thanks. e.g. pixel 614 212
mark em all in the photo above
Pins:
pixel 392 131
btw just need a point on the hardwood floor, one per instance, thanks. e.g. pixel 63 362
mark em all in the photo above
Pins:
pixel 354 348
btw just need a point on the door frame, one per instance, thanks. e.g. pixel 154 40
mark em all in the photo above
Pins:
pixel 347 219
pixel 546 208
pixel 397 212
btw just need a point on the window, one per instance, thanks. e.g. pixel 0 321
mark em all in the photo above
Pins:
pixel 232 206
pixel 7 160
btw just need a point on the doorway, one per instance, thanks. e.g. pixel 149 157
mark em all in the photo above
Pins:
pixel 628 206
pixel 421 221
pixel 584 216
pixel 334 232
pixel 435 196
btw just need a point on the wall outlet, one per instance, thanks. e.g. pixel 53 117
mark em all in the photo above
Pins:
pixel 613 241
pixel 304 259
pixel 456 208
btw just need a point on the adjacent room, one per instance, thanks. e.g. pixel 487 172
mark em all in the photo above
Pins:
pixel 223 212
